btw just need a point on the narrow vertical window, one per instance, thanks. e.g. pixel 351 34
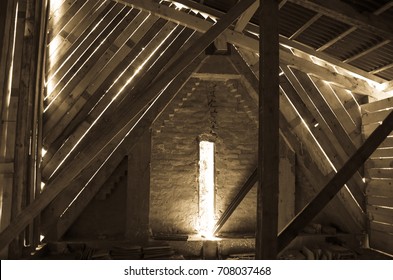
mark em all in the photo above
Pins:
pixel 206 189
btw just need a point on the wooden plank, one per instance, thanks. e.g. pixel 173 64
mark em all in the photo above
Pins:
pixel 379 163
pixel 70 33
pixel 383 153
pixel 115 156
pixel 114 126
pixel 369 128
pixel 380 201
pixel 58 10
pixel 59 45
pixel 85 64
pixel 380 214
pixel 375 117
pixel 387 143
pixel 317 171
pixel 61 21
pixel 244 190
pixel 351 216
pixel 94 91
pixel 248 43
pixel 316 176
pixel 96 131
pixel 6 204
pixel 352 108
pixel 347 14
pixel 336 183
pixel 143 52
pixel 329 59
pixel 377 105
pixel 62 53
pixel 118 54
pixel 381 241
pixel 382 227
pixel 305 26
pixel 268 126
pixel 382 173
pixel 59 75
pixel 321 96
pixel 283 40
pixel 354 84
pixel 246 17
pixel 6 167
pixel 25 79
pixel 318 126
pixel 380 188
pixel 138 191
pixel 59 226
pixel 337 116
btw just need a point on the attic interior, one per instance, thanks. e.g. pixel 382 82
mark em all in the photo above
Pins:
pixel 181 130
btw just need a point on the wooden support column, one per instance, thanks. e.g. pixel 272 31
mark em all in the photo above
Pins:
pixel 138 190
pixel 268 146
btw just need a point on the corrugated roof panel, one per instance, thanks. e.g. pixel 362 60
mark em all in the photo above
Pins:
pixel 293 17
pixel 375 59
pixel 353 44
pixel 221 5
pixel 387 74
pixel 322 31
pixel 369 6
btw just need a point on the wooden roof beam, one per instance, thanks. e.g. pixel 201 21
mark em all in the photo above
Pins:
pixel 336 183
pixel 239 39
pixel 244 190
pixel 246 16
pixel 268 132
pixel 352 29
pixel 343 12
pixel 282 3
pixel 305 26
pixel 114 126
pixel 367 51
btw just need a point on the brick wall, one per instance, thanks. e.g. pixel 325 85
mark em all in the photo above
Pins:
pixel 220 108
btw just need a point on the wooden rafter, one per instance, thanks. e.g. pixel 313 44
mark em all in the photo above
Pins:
pixel 305 26
pixel 113 126
pixel 244 190
pixel 336 183
pixel 345 13
pixel 304 48
pixel 246 16
pixel 367 51
pixel 239 39
pixel 352 29
pixel 60 204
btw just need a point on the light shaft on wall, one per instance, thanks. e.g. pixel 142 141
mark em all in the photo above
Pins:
pixel 206 189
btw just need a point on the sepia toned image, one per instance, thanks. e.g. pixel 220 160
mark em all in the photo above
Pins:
pixel 196 130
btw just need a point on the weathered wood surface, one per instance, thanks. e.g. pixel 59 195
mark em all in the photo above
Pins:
pixel 381 241
pixel 336 183
pixel 268 135
pixel 294 130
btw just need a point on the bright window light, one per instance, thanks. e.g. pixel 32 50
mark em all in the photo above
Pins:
pixel 206 189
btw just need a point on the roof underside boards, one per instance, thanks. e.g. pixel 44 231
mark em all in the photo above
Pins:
pixel 103 54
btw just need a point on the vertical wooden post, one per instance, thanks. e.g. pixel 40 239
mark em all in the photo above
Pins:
pixel 138 191
pixel 268 146
pixel 8 111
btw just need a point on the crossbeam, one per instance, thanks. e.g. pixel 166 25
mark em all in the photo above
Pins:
pixel 336 183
